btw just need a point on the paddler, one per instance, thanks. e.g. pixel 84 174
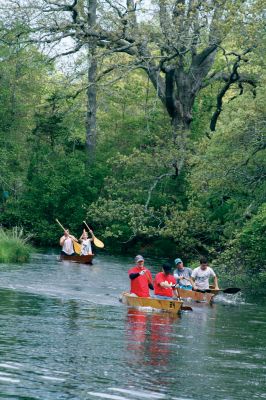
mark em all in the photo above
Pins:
pixel 201 275
pixel 66 241
pixel 182 275
pixel 140 279
pixel 86 242
pixel 165 283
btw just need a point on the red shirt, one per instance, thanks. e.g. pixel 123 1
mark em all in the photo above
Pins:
pixel 158 289
pixel 140 285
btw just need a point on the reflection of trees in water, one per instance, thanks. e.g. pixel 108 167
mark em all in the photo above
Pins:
pixel 73 314
pixel 19 303
pixel 204 320
pixel 150 337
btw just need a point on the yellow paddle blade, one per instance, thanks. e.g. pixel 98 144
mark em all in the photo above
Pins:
pixel 77 247
pixel 98 242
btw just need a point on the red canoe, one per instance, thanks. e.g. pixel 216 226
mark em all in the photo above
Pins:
pixel 78 259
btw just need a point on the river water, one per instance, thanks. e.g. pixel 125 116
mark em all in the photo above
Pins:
pixel 65 335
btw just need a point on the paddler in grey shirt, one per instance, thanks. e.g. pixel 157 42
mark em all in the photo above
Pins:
pixel 182 275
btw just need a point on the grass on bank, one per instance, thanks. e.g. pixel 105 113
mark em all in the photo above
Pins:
pixel 14 246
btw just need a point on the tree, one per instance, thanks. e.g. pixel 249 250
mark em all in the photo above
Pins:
pixel 177 52
pixel 21 71
pixel 227 181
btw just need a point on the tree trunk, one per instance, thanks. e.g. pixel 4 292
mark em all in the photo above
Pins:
pixel 179 100
pixel 180 130
pixel 178 92
pixel 91 91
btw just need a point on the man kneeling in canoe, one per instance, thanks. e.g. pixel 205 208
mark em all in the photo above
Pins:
pixel 140 279
pixel 164 283
pixel 66 242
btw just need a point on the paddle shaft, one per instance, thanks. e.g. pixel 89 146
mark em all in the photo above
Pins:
pixel 71 237
pixel 96 241
pixel 84 222
pixel 227 290
pixel 60 224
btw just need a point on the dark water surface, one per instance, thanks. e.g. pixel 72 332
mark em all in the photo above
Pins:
pixel 64 335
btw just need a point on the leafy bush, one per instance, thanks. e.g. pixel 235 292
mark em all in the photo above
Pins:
pixel 244 260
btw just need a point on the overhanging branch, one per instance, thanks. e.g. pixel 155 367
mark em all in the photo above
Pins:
pixel 231 79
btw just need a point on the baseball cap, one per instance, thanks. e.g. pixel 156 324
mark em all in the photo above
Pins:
pixel 178 261
pixel 139 258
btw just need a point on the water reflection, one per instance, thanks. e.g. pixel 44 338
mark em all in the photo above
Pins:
pixel 161 339
pixel 150 337
pixel 73 314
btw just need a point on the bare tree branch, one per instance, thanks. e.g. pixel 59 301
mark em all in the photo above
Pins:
pixel 230 79
pixel 153 186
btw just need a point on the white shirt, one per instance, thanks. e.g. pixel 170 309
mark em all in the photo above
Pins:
pixel 202 277
pixel 68 246
pixel 86 247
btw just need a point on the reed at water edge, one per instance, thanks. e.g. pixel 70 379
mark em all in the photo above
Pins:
pixel 14 246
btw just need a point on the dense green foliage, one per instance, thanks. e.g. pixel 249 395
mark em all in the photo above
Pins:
pixel 132 194
pixel 14 246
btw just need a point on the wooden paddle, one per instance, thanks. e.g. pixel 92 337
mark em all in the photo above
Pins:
pixel 231 290
pixel 76 245
pixel 97 242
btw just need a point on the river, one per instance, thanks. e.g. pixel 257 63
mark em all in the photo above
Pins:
pixel 65 335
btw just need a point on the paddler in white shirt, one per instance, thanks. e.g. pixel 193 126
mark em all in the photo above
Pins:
pixel 200 276
pixel 66 241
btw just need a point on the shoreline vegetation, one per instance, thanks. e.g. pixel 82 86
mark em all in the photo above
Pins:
pixel 14 246
pixel 155 137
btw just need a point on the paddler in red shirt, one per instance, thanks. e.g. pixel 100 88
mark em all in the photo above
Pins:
pixel 140 279
pixel 164 283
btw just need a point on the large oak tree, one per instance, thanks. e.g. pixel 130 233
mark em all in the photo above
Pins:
pixel 175 42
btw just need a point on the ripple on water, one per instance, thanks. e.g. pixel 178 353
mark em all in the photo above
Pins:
pixel 29 373
pixel 52 378
pixel 229 351
pixel 181 398
pixel 239 365
pixel 8 379
pixel 137 394
pixel 10 365
pixel 257 322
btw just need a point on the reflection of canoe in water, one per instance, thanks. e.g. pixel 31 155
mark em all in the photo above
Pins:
pixel 160 304
pixel 195 296
pixel 78 259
